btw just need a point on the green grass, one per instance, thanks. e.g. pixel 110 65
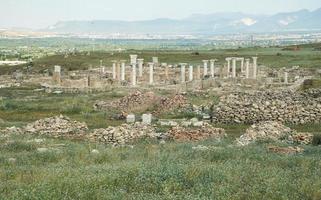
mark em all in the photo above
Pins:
pixel 153 171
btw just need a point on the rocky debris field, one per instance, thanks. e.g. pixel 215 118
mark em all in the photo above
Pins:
pixel 139 101
pixel 275 131
pixel 58 126
pixel 206 131
pixel 123 134
pixel 294 107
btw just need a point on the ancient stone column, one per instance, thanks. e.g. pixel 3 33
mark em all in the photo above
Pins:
pixel 247 68
pixel 57 75
pixel 118 71
pixel 198 72
pixel 228 66
pixel 212 67
pixel 190 73
pixel 286 77
pixel 234 67
pixel 254 67
pixel 183 72
pixel 205 67
pixel 133 59
pixel 123 70
pixel 151 73
pixel 140 67
pixel 242 65
pixel 155 60
pixel 134 80
pixel 114 69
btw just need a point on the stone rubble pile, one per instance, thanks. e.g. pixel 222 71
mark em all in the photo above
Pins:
pixel 195 134
pixel 294 107
pixel 169 104
pixel 130 102
pixel 123 134
pixel 141 101
pixel 58 126
pixel 272 130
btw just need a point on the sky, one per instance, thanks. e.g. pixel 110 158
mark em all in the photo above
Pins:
pixel 43 13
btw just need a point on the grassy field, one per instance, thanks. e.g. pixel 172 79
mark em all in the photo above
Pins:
pixel 155 171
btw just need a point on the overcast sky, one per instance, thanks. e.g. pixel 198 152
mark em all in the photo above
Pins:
pixel 42 13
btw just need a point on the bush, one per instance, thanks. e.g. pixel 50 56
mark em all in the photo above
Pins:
pixel 316 139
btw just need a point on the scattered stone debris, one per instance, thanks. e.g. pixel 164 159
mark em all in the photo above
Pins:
pixel 272 130
pixel 120 135
pixel 58 126
pixel 285 150
pixel 11 130
pixel 195 134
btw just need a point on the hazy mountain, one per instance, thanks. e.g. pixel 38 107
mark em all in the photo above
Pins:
pixel 217 23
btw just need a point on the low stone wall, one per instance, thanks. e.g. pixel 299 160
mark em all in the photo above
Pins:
pixel 294 107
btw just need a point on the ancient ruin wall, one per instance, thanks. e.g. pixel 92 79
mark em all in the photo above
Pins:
pixel 291 107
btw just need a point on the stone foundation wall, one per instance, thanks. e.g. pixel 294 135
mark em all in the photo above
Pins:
pixel 291 107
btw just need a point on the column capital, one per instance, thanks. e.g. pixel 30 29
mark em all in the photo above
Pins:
pixel 182 64
pixel 205 61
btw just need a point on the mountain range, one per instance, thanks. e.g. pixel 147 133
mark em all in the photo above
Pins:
pixel 198 24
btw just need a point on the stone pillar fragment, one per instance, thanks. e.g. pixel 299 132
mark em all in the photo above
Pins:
pixel 118 71
pixel 286 81
pixel 183 72
pixel 254 67
pixel 151 73
pixel 114 69
pixel 212 67
pixel 234 67
pixel 228 60
pixel 133 59
pixel 205 62
pixel 190 73
pixel 247 68
pixel 140 67
pixel 123 70
pixel 134 79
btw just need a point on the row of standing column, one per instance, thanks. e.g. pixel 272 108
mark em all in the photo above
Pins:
pixel 247 67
